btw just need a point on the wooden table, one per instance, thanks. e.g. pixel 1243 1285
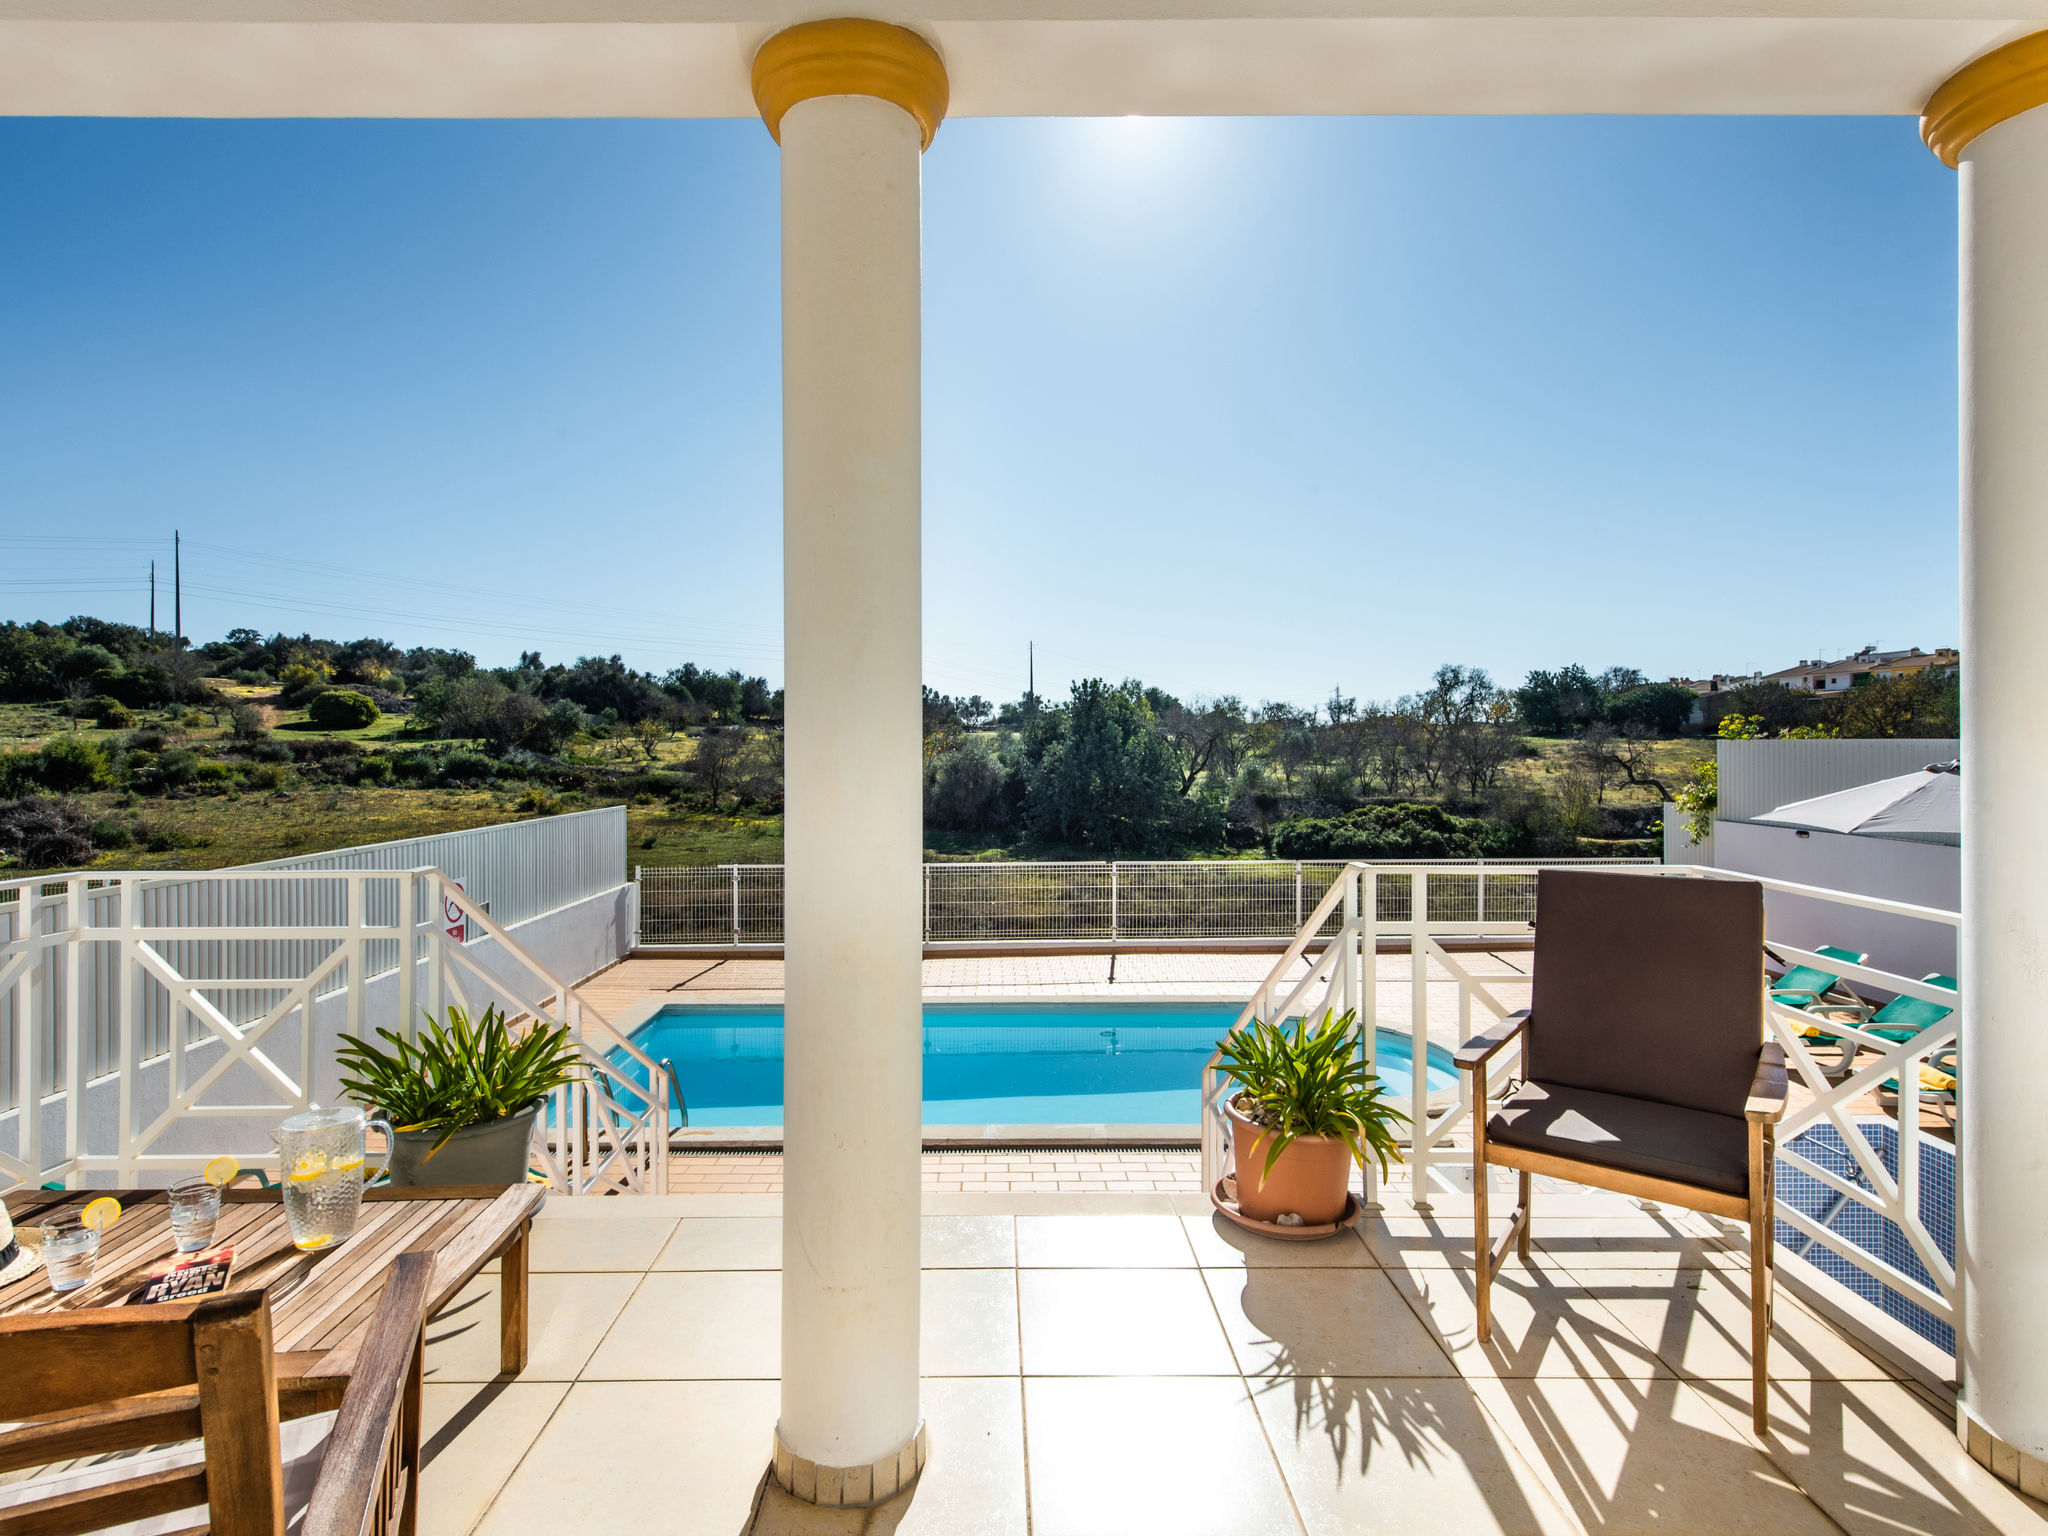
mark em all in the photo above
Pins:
pixel 320 1302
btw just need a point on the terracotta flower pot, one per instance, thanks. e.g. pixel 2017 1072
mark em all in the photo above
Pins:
pixel 1311 1179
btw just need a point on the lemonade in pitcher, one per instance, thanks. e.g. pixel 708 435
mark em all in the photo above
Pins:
pixel 322 1163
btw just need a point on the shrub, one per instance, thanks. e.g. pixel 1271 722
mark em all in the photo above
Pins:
pixel 147 740
pixel 111 714
pixel 173 768
pixel 468 768
pixel 373 770
pixel 44 834
pixel 109 833
pixel 1397 832
pixel 272 752
pixel 245 722
pixel 342 709
pixel 70 764
pixel 538 802
pixel 300 681
pixel 263 776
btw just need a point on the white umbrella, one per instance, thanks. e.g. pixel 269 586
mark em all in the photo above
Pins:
pixel 1923 807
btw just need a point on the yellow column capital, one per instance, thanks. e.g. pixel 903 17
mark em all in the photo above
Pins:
pixel 849 56
pixel 1984 93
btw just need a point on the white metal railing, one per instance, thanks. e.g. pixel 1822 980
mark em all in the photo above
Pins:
pixel 1043 902
pixel 151 1021
pixel 1369 903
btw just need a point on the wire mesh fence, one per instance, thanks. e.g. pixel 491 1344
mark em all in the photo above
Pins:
pixel 1025 903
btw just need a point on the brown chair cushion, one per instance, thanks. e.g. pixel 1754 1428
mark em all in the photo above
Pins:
pixel 1634 1135
pixel 1648 986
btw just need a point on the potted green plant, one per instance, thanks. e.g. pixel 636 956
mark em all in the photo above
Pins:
pixel 461 1098
pixel 1306 1109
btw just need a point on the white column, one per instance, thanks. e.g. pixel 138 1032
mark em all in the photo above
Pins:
pixel 2003 1256
pixel 850 1430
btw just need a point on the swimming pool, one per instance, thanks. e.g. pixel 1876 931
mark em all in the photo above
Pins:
pixel 990 1063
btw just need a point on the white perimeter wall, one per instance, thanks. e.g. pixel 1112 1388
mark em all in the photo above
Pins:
pixel 1926 874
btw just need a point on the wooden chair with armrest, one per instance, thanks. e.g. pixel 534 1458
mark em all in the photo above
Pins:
pixel 183 1399
pixel 1644 1067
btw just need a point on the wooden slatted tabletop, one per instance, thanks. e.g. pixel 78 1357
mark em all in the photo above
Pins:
pixel 320 1302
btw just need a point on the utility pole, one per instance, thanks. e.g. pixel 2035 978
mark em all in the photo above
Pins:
pixel 152 599
pixel 177 591
pixel 1031 672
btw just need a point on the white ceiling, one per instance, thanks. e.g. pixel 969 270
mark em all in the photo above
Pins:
pixel 688 58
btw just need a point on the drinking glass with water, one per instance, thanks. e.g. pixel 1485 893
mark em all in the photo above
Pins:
pixel 195 1208
pixel 70 1248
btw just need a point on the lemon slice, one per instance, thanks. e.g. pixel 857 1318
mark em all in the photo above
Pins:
pixel 101 1214
pixel 308 1244
pixel 221 1171
pixel 307 1168
pixel 346 1164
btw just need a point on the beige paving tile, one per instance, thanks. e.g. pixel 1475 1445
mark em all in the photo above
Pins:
pixel 730 1242
pixel 567 1318
pixel 973 1485
pixel 472 1436
pixel 1698 1322
pixel 1103 1242
pixel 1402 1240
pixel 1879 1460
pixel 683 1458
pixel 696 1326
pixel 1151 1457
pixel 1543 1325
pixel 1401 1456
pixel 622 1243
pixel 1120 1322
pixel 969 1242
pixel 1647 1456
pixel 1220 1243
pixel 1634 1242
pixel 1322 1322
pixel 968 1323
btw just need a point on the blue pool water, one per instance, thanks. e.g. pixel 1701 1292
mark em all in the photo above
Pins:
pixel 1008 1064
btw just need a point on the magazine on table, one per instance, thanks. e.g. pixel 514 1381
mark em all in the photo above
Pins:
pixel 187 1277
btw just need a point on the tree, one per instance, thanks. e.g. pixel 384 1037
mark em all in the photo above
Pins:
pixel 1205 736
pixel 1628 754
pixel 1664 708
pixel 649 733
pixel 1458 730
pixel 1916 704
pixel 715 762
pixel 1559 703
pixel 966 789
pixel 1105 776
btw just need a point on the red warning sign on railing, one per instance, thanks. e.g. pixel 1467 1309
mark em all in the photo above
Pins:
pixel 453 918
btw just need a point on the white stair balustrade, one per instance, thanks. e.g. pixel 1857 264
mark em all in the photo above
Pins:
pixel 150 1021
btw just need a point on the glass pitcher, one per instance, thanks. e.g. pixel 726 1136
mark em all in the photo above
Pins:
pixel 321 1157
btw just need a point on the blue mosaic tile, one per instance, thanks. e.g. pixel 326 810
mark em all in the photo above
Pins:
pixel 1864 1228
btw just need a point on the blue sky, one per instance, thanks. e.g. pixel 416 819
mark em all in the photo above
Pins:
pixel 1250 406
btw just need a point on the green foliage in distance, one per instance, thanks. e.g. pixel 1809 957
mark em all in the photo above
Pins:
pixel 456 1076
pixel 1398 832
pixel 342 709
pixel 1309 1081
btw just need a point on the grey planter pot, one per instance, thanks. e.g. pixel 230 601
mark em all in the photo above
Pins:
pixel 480 1154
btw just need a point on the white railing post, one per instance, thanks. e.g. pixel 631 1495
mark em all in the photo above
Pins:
pixel 1112 901
pixel 1418 1034
pixel 408 953
pixel 128 979
pixel 77 1058
pixel 735 905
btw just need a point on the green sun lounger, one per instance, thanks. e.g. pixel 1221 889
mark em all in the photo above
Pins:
pixel 1807 987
